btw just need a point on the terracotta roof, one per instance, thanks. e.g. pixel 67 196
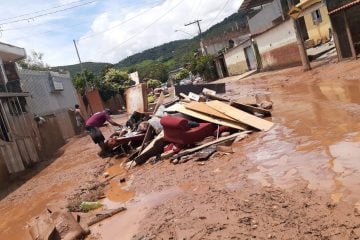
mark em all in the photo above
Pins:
pixel 349 5
pixel 248 4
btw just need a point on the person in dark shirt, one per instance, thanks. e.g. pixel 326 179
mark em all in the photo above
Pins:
pixel 94 122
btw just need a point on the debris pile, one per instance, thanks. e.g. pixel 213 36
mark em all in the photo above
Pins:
pixel 193 126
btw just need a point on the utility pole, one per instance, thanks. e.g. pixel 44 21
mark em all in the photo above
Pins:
pixel 200 33
pixel 84 76
pixel 300 40
pixel 81 66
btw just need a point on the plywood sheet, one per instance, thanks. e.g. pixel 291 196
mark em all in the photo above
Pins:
pixel 136 99
pixel 182 109
pixel 241 116
pixel 203 108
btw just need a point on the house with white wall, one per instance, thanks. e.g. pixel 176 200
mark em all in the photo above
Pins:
pixel 18 131
pixel 272 41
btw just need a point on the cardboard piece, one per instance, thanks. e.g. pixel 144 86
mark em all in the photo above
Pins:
pixel 241 116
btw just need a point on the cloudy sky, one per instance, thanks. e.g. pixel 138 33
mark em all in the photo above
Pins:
pixel 105 30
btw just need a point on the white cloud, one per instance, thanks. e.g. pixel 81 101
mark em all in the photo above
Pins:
pixel 137 34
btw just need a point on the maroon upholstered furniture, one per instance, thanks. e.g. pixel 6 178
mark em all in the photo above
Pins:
pixel 177 130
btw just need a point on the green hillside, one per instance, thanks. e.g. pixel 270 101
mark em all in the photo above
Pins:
pixel 169 55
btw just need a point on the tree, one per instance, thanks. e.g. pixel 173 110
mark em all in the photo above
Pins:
pixel 184 73
pixel 115 81
pixel 80 83
pixel 153 83
pixel 34 61
pixel 152 69
pixel 204 66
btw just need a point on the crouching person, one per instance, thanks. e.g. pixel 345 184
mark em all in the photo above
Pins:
pixel 93 124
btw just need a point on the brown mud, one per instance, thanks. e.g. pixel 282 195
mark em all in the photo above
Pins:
pixel 300 180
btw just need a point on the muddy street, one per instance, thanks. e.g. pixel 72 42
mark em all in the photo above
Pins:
pixel 300 180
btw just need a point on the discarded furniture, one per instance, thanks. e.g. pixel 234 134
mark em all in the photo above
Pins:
pixel 178 130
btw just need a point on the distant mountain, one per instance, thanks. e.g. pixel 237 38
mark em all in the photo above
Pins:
pixel 173 54
pixel 94 67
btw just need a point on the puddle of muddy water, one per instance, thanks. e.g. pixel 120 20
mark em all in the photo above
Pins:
pixel 316 140
pixel 126 224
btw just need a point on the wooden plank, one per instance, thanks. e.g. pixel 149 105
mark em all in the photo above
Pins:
pixel 245 107
pixel 10 153
pixel 23 152
pixel 31 150
pixel 241 116
pixel 182 109
pixel 251 109
pixel 205 109
pixel 222 139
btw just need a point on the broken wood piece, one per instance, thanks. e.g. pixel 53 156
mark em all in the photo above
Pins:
pixel 241 116
pixel 205 109
pixel 104 215
pixel 222 139
pixel 156 147
pixel 251 109
pixel 224 122
pixel 185 97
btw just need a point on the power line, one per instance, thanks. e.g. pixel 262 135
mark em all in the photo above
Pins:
pixel 143 30
pixel 49 13
pixel 43 10
pixel 122 23
pixel 222 9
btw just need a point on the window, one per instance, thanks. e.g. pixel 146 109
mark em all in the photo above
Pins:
pixel 316 16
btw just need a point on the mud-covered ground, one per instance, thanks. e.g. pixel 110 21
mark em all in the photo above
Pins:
pixel 300 180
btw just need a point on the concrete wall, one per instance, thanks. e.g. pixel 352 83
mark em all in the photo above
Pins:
pixel 51 136
pixel 318 32
pixel 38 84
pixel 264 19
pixel 278 47
pixel 235 60
pixel 95 101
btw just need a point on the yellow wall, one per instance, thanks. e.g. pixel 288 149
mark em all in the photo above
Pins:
pixel 320 31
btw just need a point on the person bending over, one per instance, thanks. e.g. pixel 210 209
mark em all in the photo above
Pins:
pixel 94 122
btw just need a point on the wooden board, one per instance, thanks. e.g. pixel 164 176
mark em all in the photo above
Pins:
pixel 245 107
pixel 222 139
pixel 241 116
pixel 203 108
pixel 182 109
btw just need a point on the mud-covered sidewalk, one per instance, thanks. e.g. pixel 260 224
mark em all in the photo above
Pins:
pixel 299 180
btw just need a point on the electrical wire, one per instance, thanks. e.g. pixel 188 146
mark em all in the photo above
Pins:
pixel 143 30
pixel 122 23
pixel 222 9
pixel 48 13
pixel 40 11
